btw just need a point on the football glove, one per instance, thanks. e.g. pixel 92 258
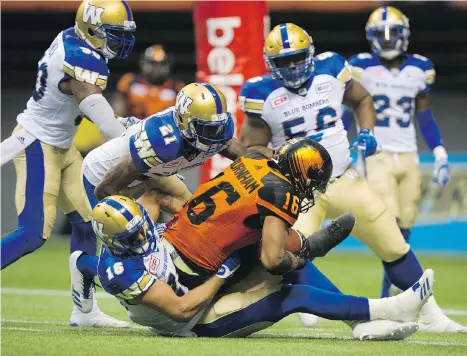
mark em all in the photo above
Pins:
pixel 441 172
pixel 366 141
pixel 128 121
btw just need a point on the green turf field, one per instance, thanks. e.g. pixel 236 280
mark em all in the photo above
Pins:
pixel 36 307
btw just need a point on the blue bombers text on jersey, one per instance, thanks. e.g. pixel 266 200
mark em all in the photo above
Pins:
pixel 314 108
pixel 394 92
pixel 51 114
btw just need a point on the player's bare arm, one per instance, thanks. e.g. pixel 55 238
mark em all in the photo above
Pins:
pixel 162 298
pixel 235 150
pixel 360 100
pixel 169 203
pixel 117 178
pixel 255 136
pixel 422 102
pixel 274 257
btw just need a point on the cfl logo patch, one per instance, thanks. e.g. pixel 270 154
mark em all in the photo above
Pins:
pixel 93 13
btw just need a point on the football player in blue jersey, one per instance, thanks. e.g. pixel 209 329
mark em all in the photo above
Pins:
pixel 303 96
pixel 400 84
pixel 181 137
pixel 71 77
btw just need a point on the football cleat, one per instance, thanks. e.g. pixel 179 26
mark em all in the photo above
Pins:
pixel 406 306
pixel 308 320
pixel 82 292
pixel 95 319
pixel 383 330
pixel 432 319
pixel 322 241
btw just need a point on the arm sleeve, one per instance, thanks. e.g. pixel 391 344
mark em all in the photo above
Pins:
pixel 99 111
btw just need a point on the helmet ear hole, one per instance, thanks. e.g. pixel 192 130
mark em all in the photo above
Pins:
pixel 91 32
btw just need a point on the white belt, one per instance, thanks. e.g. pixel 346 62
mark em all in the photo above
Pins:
pixel 177 260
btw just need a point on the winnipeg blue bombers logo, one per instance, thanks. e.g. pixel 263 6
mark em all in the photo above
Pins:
pixel 93 13
pixel 182 103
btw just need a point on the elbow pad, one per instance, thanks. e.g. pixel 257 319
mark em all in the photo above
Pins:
pixel 99 111
pixel 429 128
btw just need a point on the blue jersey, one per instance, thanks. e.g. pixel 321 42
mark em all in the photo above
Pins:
pixel 50 113
pixel 159 149
pixel 129 278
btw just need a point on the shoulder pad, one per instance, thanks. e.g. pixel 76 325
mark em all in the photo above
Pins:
pixel 332 63
pixel 82 62
pixel 277 198
pixel 425 64
pixel 419 61
pixel 255 91
pixel 364 60
pixel 126 279
pixel 158 141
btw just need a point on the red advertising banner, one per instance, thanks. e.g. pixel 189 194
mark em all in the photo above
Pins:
pixel 229 46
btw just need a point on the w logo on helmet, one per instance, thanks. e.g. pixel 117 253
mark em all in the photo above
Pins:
pixel 93 13
pixel 183 102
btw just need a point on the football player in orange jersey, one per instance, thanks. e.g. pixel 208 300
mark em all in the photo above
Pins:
pixel 255 199
pixel 252 199
pixel 149 91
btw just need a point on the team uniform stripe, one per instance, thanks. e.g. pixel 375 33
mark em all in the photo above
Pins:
pixel 216 97
pixel 120 208
pixel 128 11
pixel 285 36
pixel 384 14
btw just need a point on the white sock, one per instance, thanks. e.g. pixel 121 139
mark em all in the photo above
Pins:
pixel 378 308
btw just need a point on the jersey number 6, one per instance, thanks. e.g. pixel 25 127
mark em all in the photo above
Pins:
pixel 209 203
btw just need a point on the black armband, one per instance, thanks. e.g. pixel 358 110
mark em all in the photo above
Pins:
pixel 284 266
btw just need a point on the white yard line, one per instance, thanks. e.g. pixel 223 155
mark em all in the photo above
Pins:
pixel 323 335
pixel 103 295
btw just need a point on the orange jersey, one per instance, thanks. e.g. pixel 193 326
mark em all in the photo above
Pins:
pixel 226 213
pixel 144 98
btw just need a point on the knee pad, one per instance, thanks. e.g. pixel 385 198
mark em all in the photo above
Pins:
pixel 237 301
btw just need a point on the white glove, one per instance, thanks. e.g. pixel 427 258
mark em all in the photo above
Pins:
pixel 128 121
pixel 441 174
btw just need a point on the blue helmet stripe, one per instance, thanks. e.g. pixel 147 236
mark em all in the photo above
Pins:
pixel 285 36
pixel 217 99
pixel 122 210
pixel 385 13
pixel 128 11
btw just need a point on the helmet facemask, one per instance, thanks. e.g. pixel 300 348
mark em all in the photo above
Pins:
pixel 209 136
pixel 119 40
pixel 310 188
pixel 388 41
pixel 293 68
